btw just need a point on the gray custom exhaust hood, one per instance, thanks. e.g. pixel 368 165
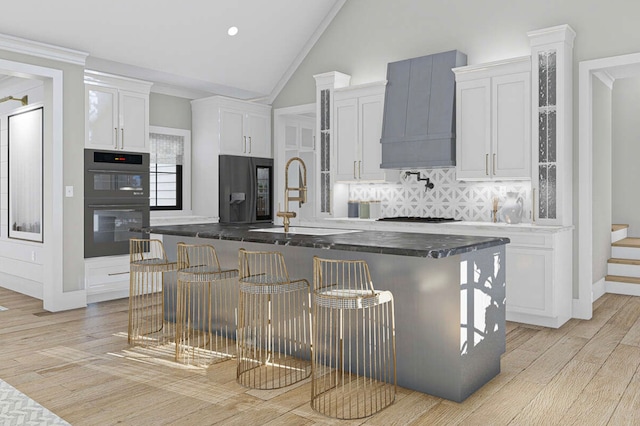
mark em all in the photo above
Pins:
pixel 419 124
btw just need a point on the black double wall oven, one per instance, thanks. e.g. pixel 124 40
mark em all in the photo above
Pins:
pixel 116 197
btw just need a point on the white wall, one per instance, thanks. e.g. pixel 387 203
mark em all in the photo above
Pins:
pixel 626 154
pixel 367 34
pixel 169 111
pixel 601 179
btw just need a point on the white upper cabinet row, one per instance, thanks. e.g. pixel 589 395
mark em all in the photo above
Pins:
pixel 357 130
pixel 493 120
pixel 236 127
pixel 117 112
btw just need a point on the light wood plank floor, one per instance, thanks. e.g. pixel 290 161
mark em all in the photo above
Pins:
pixel 78 365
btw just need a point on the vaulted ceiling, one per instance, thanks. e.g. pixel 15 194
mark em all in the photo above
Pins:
pixel 181 44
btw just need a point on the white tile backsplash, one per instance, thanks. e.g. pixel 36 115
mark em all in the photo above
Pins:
pixel 449 198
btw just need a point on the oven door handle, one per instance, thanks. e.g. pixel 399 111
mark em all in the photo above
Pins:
pixel 118 206
pixel 114 171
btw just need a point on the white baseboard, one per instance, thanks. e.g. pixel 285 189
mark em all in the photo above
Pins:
pixel 598 289
pixel 21 285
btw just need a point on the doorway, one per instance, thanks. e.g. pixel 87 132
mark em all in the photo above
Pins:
pixel 606 71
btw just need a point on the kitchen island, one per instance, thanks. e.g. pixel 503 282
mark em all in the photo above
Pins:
pixel 449 292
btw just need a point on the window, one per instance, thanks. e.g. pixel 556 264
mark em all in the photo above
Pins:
pixel 169 169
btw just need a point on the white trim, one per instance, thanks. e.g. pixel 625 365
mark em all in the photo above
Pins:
pixel 53 295
pixel 615 67
pixel 305 50
pixel 560 33
pixel 42 50
pixel 186 173
pixel 99 78
pixel 606 78
pixel 598 289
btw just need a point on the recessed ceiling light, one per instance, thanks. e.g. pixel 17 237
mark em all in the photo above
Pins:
pixel 232 31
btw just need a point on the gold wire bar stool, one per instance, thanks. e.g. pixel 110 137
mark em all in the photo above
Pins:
pixel 274 323
pixel 354 347
pixel 148 266
pixel 206 307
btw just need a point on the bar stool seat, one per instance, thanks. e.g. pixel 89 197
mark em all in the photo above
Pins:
pixel 274 330
pixel 148 265
pixel 354 355
pixel 206 307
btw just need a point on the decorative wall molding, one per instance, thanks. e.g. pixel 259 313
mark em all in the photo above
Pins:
pixel 42 50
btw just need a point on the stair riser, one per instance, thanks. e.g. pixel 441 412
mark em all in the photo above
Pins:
pixel 622 288
pixel 618 235
pixel 625 253
pixel 623 270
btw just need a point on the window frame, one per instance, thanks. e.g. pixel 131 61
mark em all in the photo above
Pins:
pixel 186 172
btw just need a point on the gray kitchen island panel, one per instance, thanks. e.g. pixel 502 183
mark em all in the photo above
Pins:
pixel 450 311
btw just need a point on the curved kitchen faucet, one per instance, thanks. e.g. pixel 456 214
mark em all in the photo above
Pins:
pixel 302 193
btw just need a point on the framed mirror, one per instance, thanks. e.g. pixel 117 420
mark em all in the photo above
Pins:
pixel 25 139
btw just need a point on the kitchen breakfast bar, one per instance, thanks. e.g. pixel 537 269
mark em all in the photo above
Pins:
pixel 449 291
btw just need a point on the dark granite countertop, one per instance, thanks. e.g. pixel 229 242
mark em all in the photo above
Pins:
pixel 383 242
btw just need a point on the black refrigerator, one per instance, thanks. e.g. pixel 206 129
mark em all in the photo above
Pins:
pixel 246 189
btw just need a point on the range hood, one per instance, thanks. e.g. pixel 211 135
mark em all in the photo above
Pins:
pixel 419 124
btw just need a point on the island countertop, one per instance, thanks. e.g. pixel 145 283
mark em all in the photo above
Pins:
pixel 374 241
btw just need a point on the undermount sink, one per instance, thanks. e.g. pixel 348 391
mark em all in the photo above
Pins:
pixel 307 231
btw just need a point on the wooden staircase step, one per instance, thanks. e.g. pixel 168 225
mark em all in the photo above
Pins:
pixel 622 279
pixel 627 242
pixel 624 261
pixel 615 227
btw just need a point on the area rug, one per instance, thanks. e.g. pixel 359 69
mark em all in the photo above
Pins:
pixel 17 408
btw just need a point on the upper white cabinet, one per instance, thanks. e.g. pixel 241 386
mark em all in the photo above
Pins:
pixel 116 112
pixel 493 120
pixel 357 129
pixel 244 128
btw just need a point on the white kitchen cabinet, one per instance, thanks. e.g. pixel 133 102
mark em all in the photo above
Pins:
pixel 357 129
pixel 106 278
pixel 222 125
pixel 493 121
pixel 117 112
pixel 245 128
pixel 295 136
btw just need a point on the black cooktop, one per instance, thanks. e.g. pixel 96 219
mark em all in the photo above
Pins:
pixel 418 219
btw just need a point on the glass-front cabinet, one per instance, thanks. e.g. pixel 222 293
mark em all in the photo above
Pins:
pixel 552 153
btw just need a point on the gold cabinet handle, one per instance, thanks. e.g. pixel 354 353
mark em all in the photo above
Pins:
pixel 122 139
pixel 354 170
pixel 486 164
pixel 244 145
pixel 115 131
pixel 359 169
pixel 494 163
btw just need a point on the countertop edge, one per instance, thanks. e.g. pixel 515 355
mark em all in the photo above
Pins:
pixel 386 242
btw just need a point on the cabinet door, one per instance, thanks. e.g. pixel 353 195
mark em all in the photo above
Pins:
pixel 511 121
pixel 370 127
pixel 232 138
pixel 473 129
pixel 101 111
pixel 307 136
pixel 134 121
pixel 346 138
pixel 529 281
pixel 258 133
